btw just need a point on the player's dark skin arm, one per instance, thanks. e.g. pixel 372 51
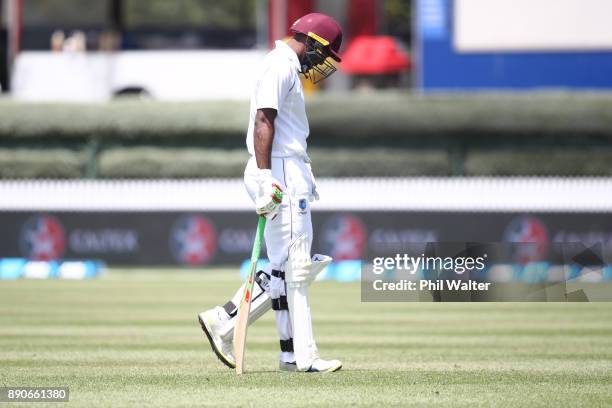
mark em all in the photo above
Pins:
pixel 263 137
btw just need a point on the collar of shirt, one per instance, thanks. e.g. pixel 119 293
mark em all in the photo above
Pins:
pixel 288 51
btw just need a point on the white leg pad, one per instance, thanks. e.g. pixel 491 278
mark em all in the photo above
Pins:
pixel 298 267
pixel 304 346
pixel 319 262
pixel 259 305
pixel 301 270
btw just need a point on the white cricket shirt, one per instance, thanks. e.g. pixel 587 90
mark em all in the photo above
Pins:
pixel 278 87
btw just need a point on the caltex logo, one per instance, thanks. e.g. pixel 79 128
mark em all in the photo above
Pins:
pixel 344 237
pixel 530 231
pixel 193 240
pixel 42 238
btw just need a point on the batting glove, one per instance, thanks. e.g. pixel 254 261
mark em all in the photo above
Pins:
pixel 270 194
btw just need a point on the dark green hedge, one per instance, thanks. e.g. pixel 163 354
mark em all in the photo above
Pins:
pixel 197 162
pixel 145 162
pixel 160 162
pixel 124 122
pixel 378 162
pixel 41 163
pixel 353 119
pixel 557 162
pixel 351 135
pixel 481 119
pixel 351 162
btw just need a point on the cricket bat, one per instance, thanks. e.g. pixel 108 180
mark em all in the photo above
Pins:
pixel 242 320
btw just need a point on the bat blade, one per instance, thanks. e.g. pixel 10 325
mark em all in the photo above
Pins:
pixel 242 320
pixel 240 330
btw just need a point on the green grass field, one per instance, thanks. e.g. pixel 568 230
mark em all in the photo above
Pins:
pixel 131 338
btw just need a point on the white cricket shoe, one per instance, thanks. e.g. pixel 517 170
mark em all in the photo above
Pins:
pixel 319 366
pixel 211 321
pixel 324 366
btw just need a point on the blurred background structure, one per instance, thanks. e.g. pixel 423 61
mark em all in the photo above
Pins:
pixel 470 92
pixel 168 51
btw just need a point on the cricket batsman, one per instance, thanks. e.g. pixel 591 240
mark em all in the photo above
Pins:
pixel 279 180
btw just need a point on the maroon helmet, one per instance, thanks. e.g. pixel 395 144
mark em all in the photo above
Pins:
pixel 324 37
pixel 323 29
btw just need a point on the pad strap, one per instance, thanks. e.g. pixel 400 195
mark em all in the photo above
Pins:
pixel 286 345
pixel 278 274
pixel 280 303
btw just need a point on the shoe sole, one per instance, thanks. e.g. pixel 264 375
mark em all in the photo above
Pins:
pixel 215 350
pixel 331 370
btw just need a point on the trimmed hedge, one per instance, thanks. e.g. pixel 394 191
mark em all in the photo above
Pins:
pixel 123 121
pixel 352 135
pixel 349 162
pixel 587 162
pixel 377 119
pixel 145 162
pixel 187 163
pixel 378 162
pixel 159 162
pixel 481 119
pixel 39 163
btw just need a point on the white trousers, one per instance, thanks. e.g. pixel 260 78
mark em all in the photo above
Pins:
pixel 294 218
